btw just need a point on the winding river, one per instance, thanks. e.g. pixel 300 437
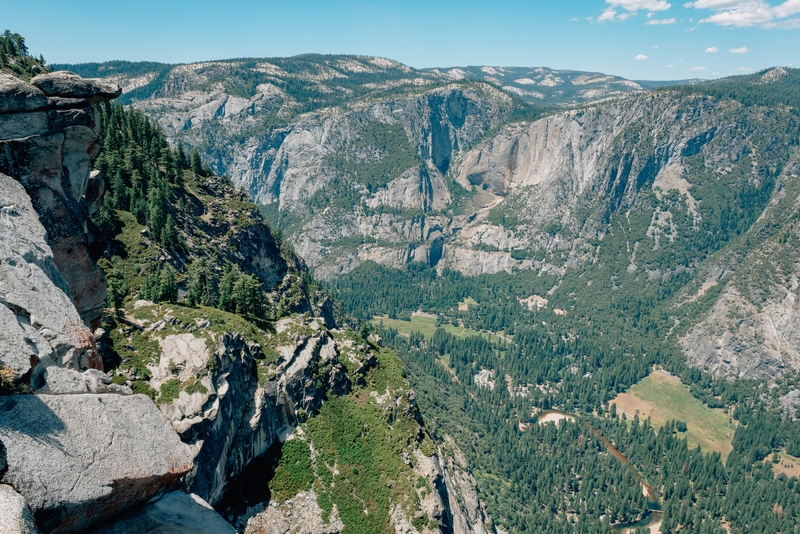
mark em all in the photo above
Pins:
pixel 654 515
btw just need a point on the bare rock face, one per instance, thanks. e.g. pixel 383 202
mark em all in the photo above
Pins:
pixel 80 459
pixel 15 516
pixel 47 140
pixel 174 513
pixel 60 381
pixel 739 339
pixel 40 325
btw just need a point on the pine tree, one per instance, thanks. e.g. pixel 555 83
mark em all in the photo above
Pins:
pixel 157 213
pixel 119 194
pixel 226 299
pixel 167 285
pixel 200 283
pixel 169 234
pixel 106 217
pixel 138 206
pixel 196 163
pixel 247 295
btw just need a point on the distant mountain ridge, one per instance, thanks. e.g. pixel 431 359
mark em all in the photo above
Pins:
pixel 540 85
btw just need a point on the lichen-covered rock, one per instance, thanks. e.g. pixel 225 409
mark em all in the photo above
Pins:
pixel 39 325
pixel 15 516
pixel 174 513
pixel 80 459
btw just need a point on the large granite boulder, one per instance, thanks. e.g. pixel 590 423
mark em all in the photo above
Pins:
pixel 16 95
pixel 39 325
pixel 80 459
pixel 67 84
pixel 174 513
pixel 15 516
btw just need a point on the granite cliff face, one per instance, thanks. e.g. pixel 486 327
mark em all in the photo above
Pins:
pixel 47 141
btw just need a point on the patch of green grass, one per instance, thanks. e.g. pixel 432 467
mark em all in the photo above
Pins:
pixel 250 328
pixel 136 350
pixel 171 389
pixel 663 398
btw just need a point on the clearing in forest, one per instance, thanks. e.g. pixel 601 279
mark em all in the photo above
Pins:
pixel 662 397
pixel 426 326
pixel 467 303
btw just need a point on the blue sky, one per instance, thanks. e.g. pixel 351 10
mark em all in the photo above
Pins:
pixel 638 39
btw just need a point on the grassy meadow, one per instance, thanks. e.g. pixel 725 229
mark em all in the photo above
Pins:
pixel 662 397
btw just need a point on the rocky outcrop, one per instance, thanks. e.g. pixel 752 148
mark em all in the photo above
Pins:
pixel 15 516
pixel 80 459
pixel 47 140
pixel 299 515
pixel 174 513
pixel 243 402
pixel 40 325
pixel 468 511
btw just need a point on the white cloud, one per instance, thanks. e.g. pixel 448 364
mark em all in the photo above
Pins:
pixel 712 50
pixel 741 50
pixel 698 68
pixel 643 5
pixel 743 13
pixel 653 22
pixel 632 7
pixel 654 46
pixel 608 14
pixel 670 66
pixel 640 57
pixel 745 69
